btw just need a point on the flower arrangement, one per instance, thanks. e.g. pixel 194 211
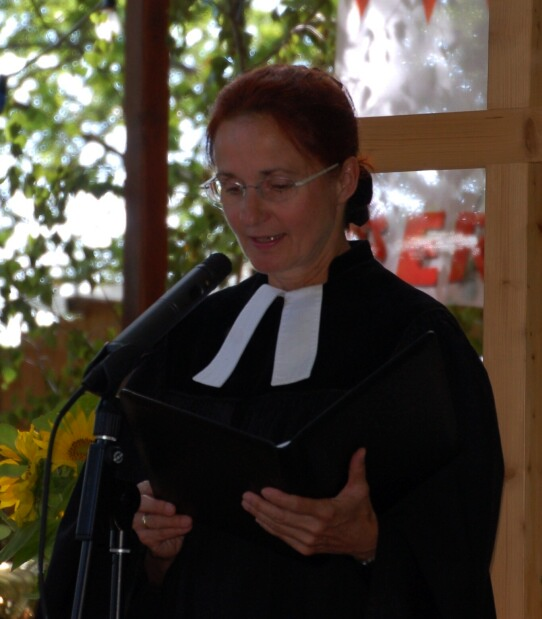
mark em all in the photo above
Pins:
pixel 22 458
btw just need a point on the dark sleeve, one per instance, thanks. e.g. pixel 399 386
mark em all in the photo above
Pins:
pixel 439 540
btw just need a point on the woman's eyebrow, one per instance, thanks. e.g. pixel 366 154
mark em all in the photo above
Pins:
pixel 220 174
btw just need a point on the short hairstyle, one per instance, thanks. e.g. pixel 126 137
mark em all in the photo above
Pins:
pixel 312 108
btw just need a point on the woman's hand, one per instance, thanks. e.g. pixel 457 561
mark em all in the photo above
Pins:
pixel 345 524
pixel 160 529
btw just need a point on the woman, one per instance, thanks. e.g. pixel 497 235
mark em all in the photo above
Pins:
pixel 283 141
pixel 318 316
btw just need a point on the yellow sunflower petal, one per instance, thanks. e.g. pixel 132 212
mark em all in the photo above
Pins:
pixel 73 440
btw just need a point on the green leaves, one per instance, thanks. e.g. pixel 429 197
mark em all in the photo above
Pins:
pixel 23 544
pixel 8 435
pixel 70 103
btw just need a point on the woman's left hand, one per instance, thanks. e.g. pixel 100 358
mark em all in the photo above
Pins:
pixel 345 524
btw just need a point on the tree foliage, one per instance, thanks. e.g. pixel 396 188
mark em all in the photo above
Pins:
pixel 62 133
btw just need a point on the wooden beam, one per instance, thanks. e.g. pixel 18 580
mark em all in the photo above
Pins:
pixel 146 112
pixel 533 395
pixel 513 356
pixel 504 355
pixel 452 141
pixel 512 318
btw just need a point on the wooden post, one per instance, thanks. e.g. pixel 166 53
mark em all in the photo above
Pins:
pixel 513 309
pixel 146 111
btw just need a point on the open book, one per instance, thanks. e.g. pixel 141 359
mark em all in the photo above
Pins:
pixel 402 414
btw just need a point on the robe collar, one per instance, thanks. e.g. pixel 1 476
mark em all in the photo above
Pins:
pixel 297 341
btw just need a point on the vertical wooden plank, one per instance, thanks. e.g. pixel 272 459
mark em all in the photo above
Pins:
pixel 512 320
pixel 146 112
pixel 510 47
pixel 504 356
pixel 513 354
pixel 533 404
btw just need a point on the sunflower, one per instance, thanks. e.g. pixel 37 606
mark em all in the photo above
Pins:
pixel 19 476
pixel 18 498
pixel 74 437
pixel 26 448
pixel 22 465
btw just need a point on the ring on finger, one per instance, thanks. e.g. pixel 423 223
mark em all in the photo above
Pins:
pixel 144 521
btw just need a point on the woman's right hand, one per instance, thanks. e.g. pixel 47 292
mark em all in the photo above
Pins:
pixel 158 526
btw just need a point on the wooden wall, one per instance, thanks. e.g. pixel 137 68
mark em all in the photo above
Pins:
pixel 95 318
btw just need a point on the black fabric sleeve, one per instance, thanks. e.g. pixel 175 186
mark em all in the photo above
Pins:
pixel 445 530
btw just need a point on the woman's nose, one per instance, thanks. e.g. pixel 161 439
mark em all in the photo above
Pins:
pixel 252 207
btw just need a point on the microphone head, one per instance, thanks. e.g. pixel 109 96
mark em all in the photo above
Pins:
pixel 207 275
pixel 219 265
pixel 119 357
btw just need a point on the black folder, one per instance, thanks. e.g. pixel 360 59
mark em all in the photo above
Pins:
pixel 402 414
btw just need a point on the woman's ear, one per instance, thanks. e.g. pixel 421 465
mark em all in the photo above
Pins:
pixel 348 179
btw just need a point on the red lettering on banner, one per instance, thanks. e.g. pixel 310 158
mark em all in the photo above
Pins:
pixel 467 224
pixel 417 250
pixel 464 246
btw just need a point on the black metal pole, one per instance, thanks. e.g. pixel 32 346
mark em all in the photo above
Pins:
pixel 97 483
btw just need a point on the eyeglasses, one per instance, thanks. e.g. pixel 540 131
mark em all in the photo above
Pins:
pixel 275 188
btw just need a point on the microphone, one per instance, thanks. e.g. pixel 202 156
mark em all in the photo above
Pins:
pixel 107 371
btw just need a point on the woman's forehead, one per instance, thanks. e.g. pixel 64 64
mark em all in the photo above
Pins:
pixel 258 140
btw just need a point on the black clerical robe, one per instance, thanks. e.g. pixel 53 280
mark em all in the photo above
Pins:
pixel 435 545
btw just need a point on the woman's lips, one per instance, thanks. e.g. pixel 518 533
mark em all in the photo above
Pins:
pixel 267 240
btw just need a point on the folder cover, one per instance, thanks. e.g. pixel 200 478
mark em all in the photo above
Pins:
pixel 402 414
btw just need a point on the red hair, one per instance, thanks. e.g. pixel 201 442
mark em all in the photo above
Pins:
pixel 312 108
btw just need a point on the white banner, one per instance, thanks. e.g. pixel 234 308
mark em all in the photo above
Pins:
pixel 415 57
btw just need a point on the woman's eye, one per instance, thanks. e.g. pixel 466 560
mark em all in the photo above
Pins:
pixel 280 184
pixel 232 189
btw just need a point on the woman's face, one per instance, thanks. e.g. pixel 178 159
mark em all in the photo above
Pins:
pixel 294 241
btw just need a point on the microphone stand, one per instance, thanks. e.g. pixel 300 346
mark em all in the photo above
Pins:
pixel 102 456
pixel 103 377
pixel 118 549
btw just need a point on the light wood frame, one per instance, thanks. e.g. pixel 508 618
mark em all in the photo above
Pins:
pixel 506 140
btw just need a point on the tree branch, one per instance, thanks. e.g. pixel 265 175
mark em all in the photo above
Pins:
pixel 236 15
pixel 92 137
pixel 295 30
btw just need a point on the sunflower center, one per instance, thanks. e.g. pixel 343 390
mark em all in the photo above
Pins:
pixel 78 449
